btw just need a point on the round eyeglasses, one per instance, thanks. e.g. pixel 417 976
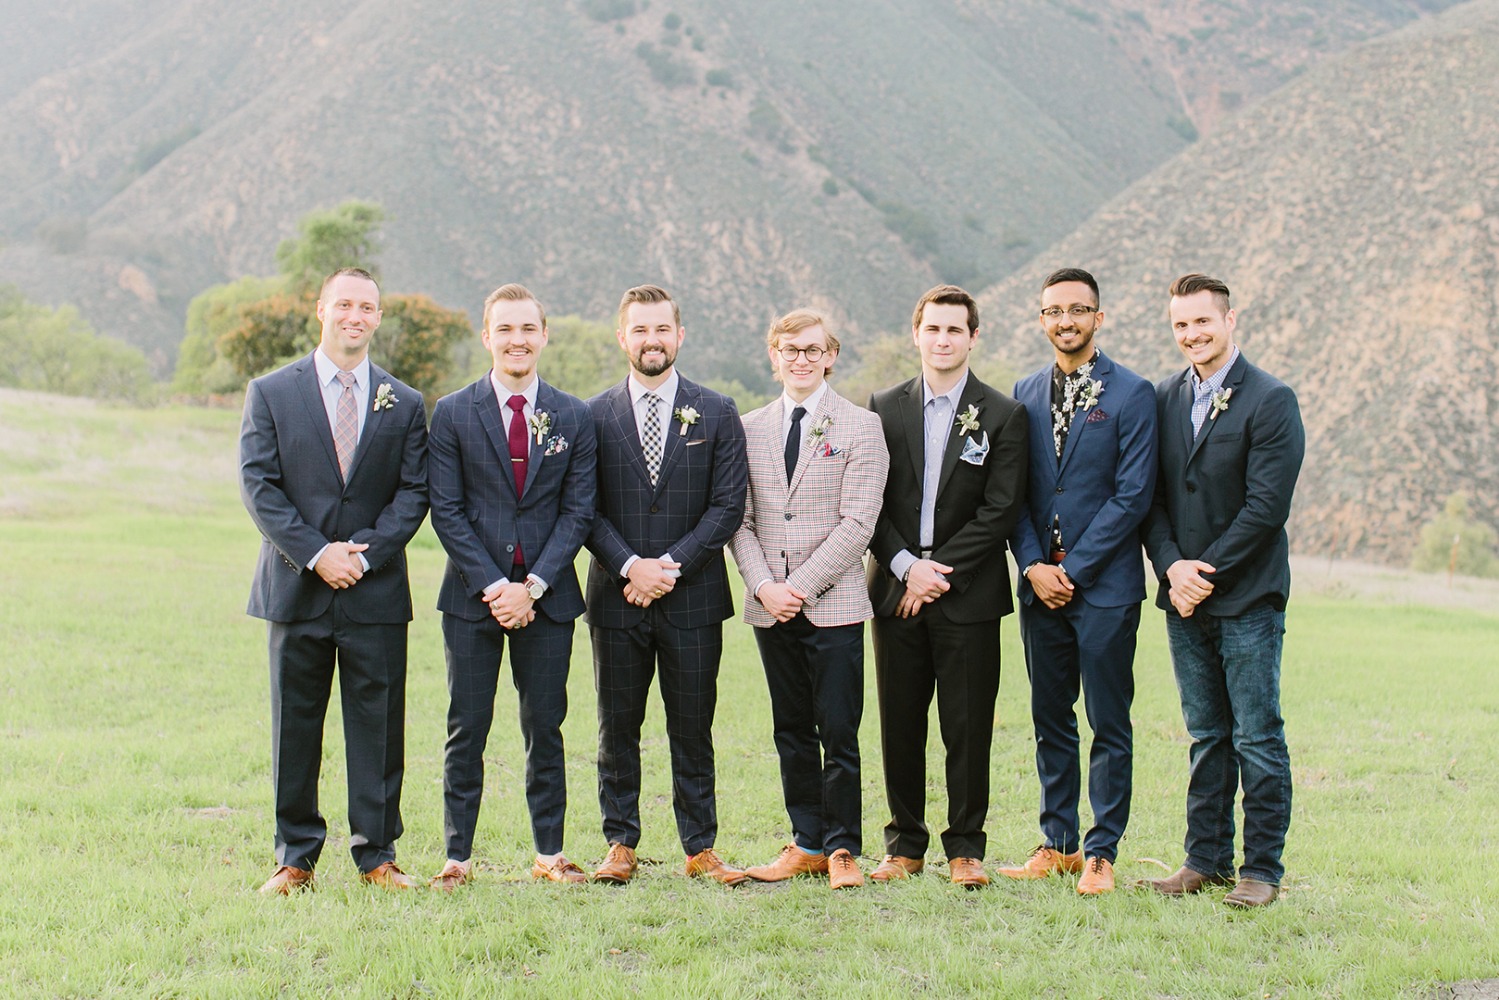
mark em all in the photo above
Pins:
pixel 812 353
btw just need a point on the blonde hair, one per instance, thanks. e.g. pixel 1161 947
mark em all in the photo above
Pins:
pixel 513 293
pixel 793 323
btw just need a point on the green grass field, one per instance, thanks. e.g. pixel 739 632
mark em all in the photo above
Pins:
pixel 135 812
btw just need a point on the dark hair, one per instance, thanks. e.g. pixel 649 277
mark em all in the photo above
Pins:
pixel 1191 284
pixel 353 272
pixel 1071 274
pixel 948 295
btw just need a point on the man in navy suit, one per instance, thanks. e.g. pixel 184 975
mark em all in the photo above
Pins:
pixel 512 478
pixel 1092 478
pixel 672 482
pixel 1231 445
pixel 333 470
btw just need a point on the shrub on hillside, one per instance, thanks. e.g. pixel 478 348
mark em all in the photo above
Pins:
pixel 55 350
pixel 1455 528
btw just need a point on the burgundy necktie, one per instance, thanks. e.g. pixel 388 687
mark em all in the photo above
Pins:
pixel 520 451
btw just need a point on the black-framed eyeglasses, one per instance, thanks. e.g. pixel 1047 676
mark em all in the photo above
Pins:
pixel 813 353
pixel 1076 312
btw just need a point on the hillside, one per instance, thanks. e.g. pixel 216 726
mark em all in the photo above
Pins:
pixel 751 156
pixel 1355 215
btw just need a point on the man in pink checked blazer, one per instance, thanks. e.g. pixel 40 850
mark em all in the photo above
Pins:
pixel 817 468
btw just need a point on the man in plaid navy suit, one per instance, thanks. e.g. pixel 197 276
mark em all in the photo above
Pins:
pixel 672 483
pixel 512 481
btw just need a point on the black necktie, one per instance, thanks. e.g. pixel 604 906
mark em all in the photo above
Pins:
pixel 794 440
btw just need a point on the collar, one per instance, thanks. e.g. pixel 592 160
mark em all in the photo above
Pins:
pixel 666 390
pixel 326 369
pixel 502 395
pixel 1058 376
pixel 1214 382
pixel 811 403
pixel 952 395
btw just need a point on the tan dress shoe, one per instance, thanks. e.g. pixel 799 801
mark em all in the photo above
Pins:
pixel 618 867
pixel 967 872
pixel 451 877
pixel 388 876
pixel 561 870
pixel 1252 892
pixel 286 881
pixel 791 862
pixel 1098 878
pixel 1183 882
pixel 895 867
pixel 1046 861
pixel 707 864
pixel 843 871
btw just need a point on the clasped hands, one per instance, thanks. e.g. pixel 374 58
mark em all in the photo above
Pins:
pixel 924 584
pixel 1051 584
pixel 1189 587
pixel 511 605
pixel 650 579
pixel 340 565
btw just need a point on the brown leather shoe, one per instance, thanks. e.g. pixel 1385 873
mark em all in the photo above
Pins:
pixel 843 871
pixel 451 877
pixel 791 862
pixel 388 876
pixel 1098 878
pixel 1046 861
pixel 286 881
pixel 1183 882
pixel 967 872
pixel 707 864
pixel 618 867
pixel 895 867
pixel 1252 892
pixel 561 870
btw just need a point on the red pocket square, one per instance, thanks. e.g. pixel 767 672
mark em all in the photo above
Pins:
pixel 1096 414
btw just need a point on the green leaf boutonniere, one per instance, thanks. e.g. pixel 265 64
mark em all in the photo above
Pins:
pixel 385 397
pixel 1219 402
pixel 819 430
pixel 968 420
pixel 687 416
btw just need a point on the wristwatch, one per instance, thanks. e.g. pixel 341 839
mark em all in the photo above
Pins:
pixel 535 588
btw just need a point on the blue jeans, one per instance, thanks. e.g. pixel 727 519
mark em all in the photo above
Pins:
pixel 1228 675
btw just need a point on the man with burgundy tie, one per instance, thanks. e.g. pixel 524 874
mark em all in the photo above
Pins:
pixel 512 479
pixel 333 470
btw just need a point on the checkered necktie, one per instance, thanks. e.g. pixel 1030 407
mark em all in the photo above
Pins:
pixel 345 424
pixel 652 442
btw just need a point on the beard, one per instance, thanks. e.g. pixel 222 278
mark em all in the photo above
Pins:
pixel 654 366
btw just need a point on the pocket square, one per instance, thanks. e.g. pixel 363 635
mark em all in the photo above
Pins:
pixel 974 452
pixel 556 445
pixel 1097 414
pixel 826 450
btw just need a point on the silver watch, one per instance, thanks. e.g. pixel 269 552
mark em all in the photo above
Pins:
pixel 535 588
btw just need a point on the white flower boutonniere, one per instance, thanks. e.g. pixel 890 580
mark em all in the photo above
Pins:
pixel 385 397
pixel 540 423
pixel 968 420
pixel 1087 396
pixel 819 430
pixel 687 416
pixel 1219 402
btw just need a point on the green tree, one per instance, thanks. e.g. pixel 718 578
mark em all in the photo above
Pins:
pixel 581 357
pixel 200 367
pixel 415 342
pixel 55 350
pixel 1456 526
pixel 344 236
pixel 270 332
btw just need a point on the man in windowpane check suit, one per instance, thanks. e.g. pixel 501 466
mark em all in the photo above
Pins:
pixel 333 470
pixel 672 482
pixel 513 485
pixel 817 466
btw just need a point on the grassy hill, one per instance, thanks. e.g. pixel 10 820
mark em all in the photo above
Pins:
pixel 1355 215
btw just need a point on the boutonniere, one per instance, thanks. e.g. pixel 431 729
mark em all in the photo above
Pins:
pixel 385 397
pixel 540 423
pixel 556 445
pixel 1087 396
pixel 968 420
pixel 1219 402
pixel 687 416
pixel 819 430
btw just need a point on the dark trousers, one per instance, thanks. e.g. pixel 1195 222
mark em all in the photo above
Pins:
pixel 816 681
pixel 539 658
pixel 912 658
pixel 624 662
pixel 371 663
pixel 1081 645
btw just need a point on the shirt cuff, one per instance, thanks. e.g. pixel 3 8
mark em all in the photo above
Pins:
pixel 901 563
pixel 624 570
pixel 364 562
pixel 493 589
pixel 544 585
pixel 756 590
pixel 673 573
pixel 312 563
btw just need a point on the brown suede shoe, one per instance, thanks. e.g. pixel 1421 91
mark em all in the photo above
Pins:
pixel 1098 878
pixel 388 876
pixel 1252 892
pixel 618 867
pixel 286 881
pixel 791 862
pixel 451 877
pixel 843 871
pixel 895 867
pixel 1046 861
pixel 561 870
pixel 1183 882
pixel 967 872
pixel 707 864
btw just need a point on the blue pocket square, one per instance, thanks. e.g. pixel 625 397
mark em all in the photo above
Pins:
pixel 974 452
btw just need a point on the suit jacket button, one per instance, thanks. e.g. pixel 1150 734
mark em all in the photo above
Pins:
pixel 1191 488
pixel 789 515
pixel 1059 491
pixel 347 499
pixel 655 509
pixel 510 548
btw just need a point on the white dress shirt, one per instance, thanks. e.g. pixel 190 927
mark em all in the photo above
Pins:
pixel 332 389
pixel 502 396
pixel 938 415
pixel 667 391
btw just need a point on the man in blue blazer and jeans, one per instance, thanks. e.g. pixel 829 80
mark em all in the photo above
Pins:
pixel 1092 477
pixel 1231 448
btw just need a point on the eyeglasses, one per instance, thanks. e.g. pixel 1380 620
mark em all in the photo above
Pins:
pixel 812 353
pixel 1076 312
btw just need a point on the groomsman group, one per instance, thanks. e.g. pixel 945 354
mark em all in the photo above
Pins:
pixel 657 475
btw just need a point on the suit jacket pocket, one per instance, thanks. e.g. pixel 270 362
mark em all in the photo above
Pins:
pixel 694 442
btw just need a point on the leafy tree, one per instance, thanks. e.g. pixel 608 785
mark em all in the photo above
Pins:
pixel 55 350
pixel 1456 525
pixel 581 357
pixel 415 342
pixel 270 332
pixel 340 237
pixel 210 315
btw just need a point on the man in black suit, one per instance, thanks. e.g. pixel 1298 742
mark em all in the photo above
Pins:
pixel 513 482
pixel 672 483
pixel 1231 446
pixel 333 470
pixel 939 581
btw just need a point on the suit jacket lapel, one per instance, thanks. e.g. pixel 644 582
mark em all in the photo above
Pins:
pixel 487 407
pixel 972 395
pixel 623 411
pixel 671 451
pixel 804 456
pixel 312 395
pixel 373 419
pixel 913 423
pixel 1233 378
pixel 1102 367
pixel 546 402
